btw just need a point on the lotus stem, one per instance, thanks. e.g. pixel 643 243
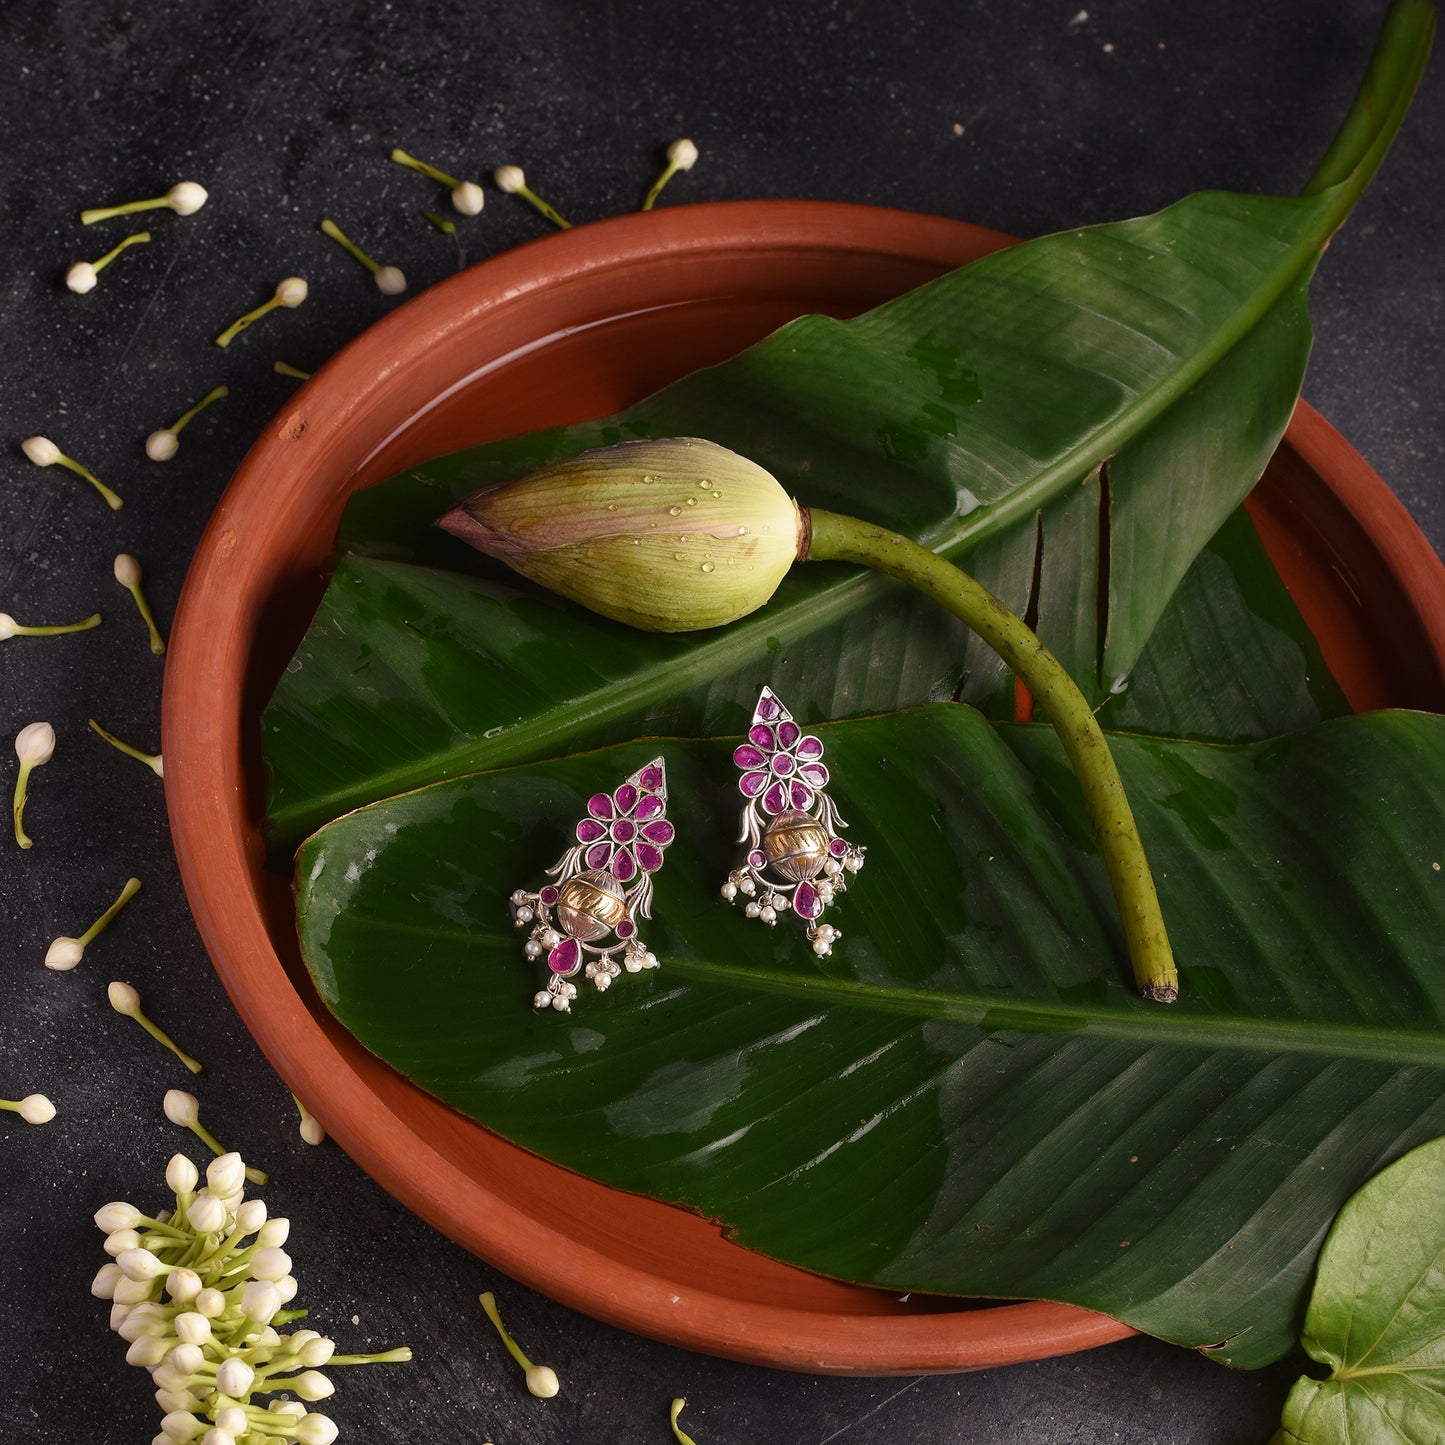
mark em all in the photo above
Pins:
pixel 835 538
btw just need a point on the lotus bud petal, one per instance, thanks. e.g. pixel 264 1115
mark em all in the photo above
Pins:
pixel 666 535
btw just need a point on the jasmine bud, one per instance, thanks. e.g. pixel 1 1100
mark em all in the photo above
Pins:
pixel 82 276
pixel 152 760
pixel 185 198
pixel 290 292
pixel 541 1379
pixel 162 445
pixel 128 574
pixel 681 156
pixel 34 747
pixel 389 281
pixel 467 196
pixel 33 1108
pixel 125 1000
pixel 64 953
pixel 44 453
pixel 513 181
pixel 666 535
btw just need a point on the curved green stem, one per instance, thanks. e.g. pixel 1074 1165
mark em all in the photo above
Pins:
pixel 538 204
pixel 331 229
pixel 430 172
pixel 56 629
pixel 836 538
pixel 669 171
pixel 1381 101
pixel 129 891
pixel 112 500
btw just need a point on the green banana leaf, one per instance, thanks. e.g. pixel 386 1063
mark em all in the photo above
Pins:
pixel 407 672
pixel 965 1097
pixel 1076 416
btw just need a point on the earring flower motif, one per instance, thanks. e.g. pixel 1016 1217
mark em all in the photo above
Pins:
pixel 603 886
pixel 796 859
pixel 625 831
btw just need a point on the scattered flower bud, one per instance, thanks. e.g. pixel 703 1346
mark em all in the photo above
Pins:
pixel 289 293
pixel 128 574
pixel 152 760
pixel 513 181
pixel 162 445
pixel 251 1216
pixel 44 453
pixel 183 1109
pixel 467 196
pixel 236 1377
pixel 191 1327
pixel 311 1130
pixel 65 953
pixel 185 198
pixel 310 1385
pixel 273 1233
pixel 683 1438
pixel 33 1108
pixel 541 1379
pixel 389 281
pixel 125 1000
pixel 681 156
pixel 666 535
pixel 82 276
pixel 9 627
pixel 207 1214
pixel 181 1175
pixel 284 368
pixel 226 1174
pixel 34 747
pixel 315 1430
pixel 445 226
pixel 120 1215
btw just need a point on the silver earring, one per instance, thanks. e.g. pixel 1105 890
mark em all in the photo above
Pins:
pixel 795 857
pixel 603 886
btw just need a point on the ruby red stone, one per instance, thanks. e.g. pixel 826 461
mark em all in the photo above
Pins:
pixel 650 807
pixel 566 957
pixel 809 747
pixel 626 797
pixel 548 894
pixel 623 830
pixel 762 736
pixel 806 901
pixel 660 832
pixel 788 732
pixel 589 830
pixel 747 756
pixel 599 805
pixel 649 859
pixel 650 777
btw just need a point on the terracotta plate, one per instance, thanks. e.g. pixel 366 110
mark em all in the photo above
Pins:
pixel 568 328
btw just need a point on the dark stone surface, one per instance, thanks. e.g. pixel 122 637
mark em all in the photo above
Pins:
pixel 1025 117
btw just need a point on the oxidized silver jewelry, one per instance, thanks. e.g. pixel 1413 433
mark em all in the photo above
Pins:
pixel 603 886
pixel 795 858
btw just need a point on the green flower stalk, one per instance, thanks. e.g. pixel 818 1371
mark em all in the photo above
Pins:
pixel 162 445
pixel 513 180
pixel 389 280
pixel 184 1109
pixel 126 1001
pixel 675 535
pixel 683 1438
pixel 34 747
pixel 128 574
pixel 681 156
pixel 284 368
pixel 467 196
pixel 9 627
pixel 185 198
pixel 64 953
pixel 541 1379
pixel 83 276
pixel 153 761
pixel 44 453
pixel 290 292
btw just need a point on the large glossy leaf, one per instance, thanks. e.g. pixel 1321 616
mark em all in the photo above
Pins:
pixel 1076 415
pixel 966 1097
pixel 409 674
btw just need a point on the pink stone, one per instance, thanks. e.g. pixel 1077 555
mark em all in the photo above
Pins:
pixel 566 957
pixel 660 832
pixel 775 799
pixel 649 859
pixel 650 807
pixel 762 736
pixel 788 732
pixel 589 830
pixel 623 868
pixel 752 784
pixel 599 805
pixel 650 777
pixel 626 797
pixel 598 854
pixel 747 756
pixel 806 901
pixel 768 706
pixel 809 747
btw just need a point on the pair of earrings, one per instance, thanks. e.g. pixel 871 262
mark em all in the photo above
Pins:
pixel 794 859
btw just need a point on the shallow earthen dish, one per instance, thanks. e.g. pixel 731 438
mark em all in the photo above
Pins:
pixel 569 328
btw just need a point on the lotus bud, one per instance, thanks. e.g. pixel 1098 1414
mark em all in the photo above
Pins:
pixel 667 535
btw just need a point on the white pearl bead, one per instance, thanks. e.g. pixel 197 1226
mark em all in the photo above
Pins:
pixel 524 915
pixel 751 910
pixel 550 938
pixel 532 948
pixel 729 891
pixel 542 1000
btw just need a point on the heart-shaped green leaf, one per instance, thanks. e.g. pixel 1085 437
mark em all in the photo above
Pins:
pixel 965 1097
pixel 1377 1316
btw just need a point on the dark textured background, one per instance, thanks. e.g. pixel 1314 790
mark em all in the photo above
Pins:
pixel 1026 117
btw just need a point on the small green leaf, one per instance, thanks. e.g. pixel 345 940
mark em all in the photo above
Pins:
pixel 1377 1316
